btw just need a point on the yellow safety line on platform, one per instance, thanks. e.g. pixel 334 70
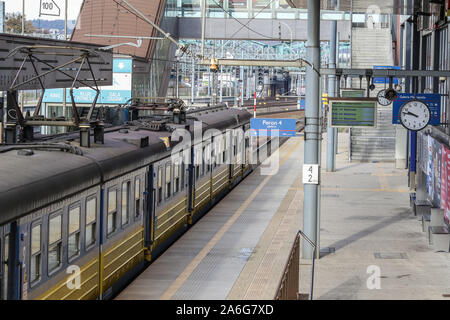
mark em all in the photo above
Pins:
pixel 179 281
pixel 381 177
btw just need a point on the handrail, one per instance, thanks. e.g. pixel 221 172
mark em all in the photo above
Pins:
pixel 290 278
pixel 313 261
pixel 288 285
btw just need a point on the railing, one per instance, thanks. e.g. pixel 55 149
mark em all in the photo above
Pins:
pixel 288 287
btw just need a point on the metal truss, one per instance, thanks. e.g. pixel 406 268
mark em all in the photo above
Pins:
pixel 29 55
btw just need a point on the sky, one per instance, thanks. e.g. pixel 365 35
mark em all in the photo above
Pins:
pixel 32 8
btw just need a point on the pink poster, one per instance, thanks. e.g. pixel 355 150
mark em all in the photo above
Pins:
pixel 445 155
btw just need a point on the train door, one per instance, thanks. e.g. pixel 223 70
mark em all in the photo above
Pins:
pixel 9 259
pixel 191 181
pixel 3 265
pixel 150 204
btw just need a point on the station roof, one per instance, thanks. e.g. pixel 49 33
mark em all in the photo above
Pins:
pixel 113 17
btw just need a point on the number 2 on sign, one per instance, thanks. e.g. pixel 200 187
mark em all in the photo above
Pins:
pixel 311 174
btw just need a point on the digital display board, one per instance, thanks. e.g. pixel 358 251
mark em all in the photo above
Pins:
pixel 353 93
pixel 356 112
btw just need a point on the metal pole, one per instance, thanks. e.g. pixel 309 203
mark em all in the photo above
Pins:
pixel 254 106
pixel 177 86
pixel 65 38
pixel 203 27
pixel 312 124
pixel 331 151
pixel 241 84
pixel 336 133
pixel 221 74
pixel 338 93
pixel 192 81
pixel 221 84
pixel 23 17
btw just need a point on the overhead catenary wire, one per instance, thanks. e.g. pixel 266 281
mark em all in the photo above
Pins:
pixel 243 25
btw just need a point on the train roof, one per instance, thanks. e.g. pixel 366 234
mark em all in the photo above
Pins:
pixel 32 181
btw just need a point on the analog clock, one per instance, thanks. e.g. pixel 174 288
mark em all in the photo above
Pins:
pixel 415 115
pixel 386 96
pixel 382 98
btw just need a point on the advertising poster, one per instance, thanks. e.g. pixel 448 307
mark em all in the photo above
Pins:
pixel 421 151
pixel 447 210
pixel 425 153
pixel 444 174
pixel 437 160
pixel 429 171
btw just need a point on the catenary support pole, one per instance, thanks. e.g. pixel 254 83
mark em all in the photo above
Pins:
pixel 203 28
pixel 192 82
pixel 254 106
pixel 312 125
pixel 65 38
pixel 331 152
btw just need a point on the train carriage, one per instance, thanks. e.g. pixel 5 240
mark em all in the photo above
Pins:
pixel 94 218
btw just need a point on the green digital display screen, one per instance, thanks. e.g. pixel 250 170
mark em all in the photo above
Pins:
pixel 355 93
pixel 353 113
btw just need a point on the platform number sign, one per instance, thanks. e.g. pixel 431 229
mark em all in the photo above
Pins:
pixel 311 174
pixel 49 8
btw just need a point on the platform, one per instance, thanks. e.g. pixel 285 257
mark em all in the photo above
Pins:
pixel 366 220
pixel 239 249
pixel 233 250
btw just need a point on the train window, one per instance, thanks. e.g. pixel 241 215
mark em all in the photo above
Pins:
pixel 74 232
pixel 112 210
pixel 224 150
pixel 216 151
pixel 198 162
pixel 91 221
pixel 137 197
pixel 208 157
pixel 125 202
pixel 54 242
pixel 160 191
pixel 168 181
pixel 176 178
pixel 182 175
pixel 5 264
pixel 203 161
pixel 247 143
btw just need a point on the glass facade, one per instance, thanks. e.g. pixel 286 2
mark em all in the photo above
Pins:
pixel 153 83
pixel 258 9
pixel 228 78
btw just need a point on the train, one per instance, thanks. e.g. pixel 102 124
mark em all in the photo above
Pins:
pixel 81 223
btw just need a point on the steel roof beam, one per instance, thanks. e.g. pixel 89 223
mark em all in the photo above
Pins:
pixel 378 73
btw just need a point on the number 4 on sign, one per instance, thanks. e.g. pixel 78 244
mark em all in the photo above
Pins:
pixel 311 174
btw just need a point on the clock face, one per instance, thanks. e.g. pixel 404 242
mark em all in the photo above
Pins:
pixel 415 115
pixel 382 99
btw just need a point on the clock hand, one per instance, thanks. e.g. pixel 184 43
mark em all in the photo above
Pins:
pixel 412 114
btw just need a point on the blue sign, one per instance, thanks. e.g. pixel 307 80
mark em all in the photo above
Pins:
pixel 433 101
pixel 2 16
pixel 122 66
pixel 302 103
pixel 385 80
pixel 87 96
pixel 260 127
